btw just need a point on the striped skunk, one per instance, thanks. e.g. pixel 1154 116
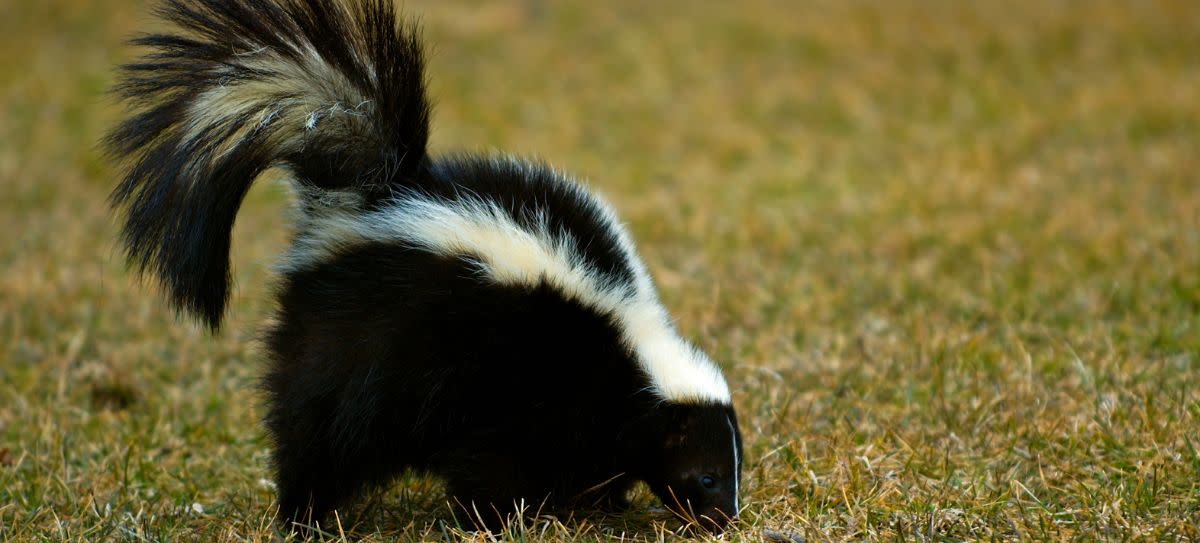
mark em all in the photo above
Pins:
pixel 481 318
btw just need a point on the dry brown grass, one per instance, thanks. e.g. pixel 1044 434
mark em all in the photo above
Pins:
pixel 948 253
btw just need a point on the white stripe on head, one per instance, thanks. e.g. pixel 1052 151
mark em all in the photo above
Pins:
pixel 737 462
pixel 512 254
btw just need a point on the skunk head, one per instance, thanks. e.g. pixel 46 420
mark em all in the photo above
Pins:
pixel 699 463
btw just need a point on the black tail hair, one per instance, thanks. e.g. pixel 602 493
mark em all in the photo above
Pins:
pixel 333 93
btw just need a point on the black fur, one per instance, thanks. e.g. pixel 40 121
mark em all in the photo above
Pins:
pixel 386 356
pixel 378 364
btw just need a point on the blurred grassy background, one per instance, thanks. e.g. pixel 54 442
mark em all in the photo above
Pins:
pixel 948 253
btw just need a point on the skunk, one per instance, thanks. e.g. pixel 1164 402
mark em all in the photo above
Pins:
pixel 481 318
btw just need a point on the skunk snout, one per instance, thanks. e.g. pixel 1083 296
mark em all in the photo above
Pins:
pixel 714 519
pixel 711 518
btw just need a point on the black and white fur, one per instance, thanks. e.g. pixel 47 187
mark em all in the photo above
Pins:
pixel 482 318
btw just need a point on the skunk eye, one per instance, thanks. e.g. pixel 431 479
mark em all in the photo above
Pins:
pixel 708 482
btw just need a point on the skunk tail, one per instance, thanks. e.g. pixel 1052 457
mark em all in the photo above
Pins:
pixel 333 94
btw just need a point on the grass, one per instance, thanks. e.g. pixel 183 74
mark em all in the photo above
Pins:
pixel 947 253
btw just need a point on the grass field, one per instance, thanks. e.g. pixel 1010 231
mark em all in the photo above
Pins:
pixel 948 254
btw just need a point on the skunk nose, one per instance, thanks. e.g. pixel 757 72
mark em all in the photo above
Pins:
pixel 714 520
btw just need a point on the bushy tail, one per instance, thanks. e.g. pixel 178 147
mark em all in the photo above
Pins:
pixel 333 93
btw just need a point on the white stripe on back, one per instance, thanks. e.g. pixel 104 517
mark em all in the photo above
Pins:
pixel 512 254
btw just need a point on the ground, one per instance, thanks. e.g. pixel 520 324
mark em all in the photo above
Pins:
pixel 947 253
